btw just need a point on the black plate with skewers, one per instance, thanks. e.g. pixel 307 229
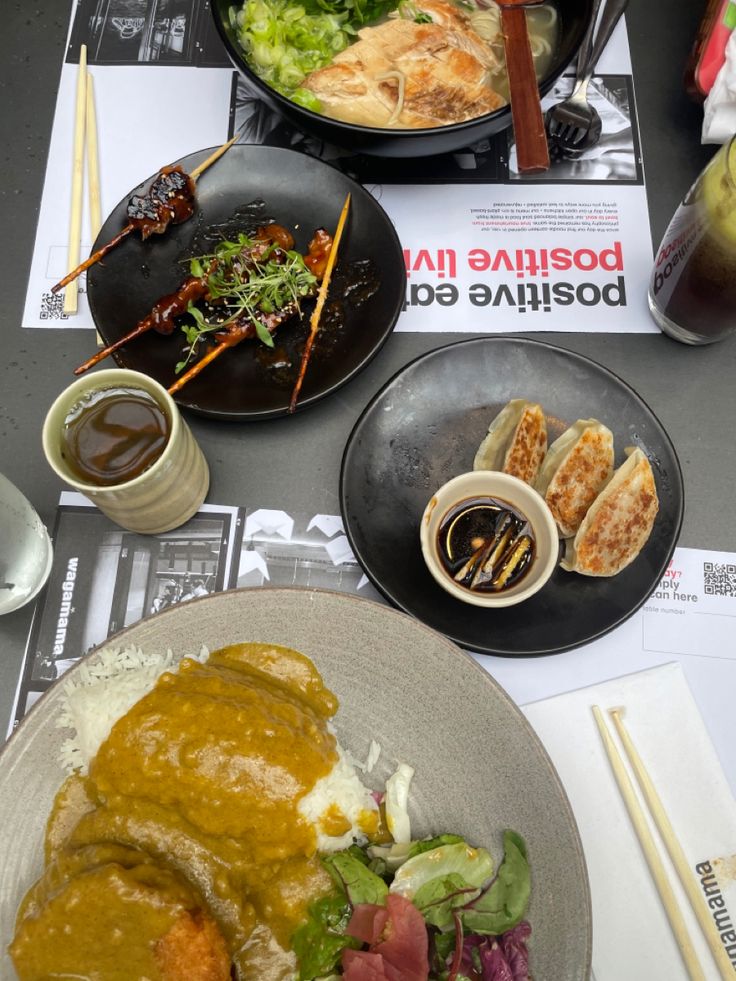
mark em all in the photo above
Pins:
pixel 248 186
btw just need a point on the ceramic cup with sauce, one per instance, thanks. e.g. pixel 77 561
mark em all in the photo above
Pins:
pixel 157 488
pixel 471 511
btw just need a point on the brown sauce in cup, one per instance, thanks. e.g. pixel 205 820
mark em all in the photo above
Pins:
pixel 113 435
pixel 485 544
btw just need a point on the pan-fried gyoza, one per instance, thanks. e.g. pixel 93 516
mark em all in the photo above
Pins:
pixel 604 517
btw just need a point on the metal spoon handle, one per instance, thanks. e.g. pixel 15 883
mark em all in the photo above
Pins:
pixel 586 45
pixel 612 13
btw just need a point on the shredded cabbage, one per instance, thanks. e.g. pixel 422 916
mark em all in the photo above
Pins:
pixel 396 803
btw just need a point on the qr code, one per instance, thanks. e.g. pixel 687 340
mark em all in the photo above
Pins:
pixel 719 579
pixel 52 307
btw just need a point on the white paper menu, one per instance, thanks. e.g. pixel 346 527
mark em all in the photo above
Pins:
pixel 486 251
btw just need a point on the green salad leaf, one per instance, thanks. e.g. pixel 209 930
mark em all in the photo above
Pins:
pixel 320 941
pixel 501 907
pixel 353 875
pixel 245 289
pixel 358 12
pixel 427 844
pixel 437 899
pixel 473 865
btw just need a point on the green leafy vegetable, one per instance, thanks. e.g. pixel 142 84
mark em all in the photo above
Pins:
pixel 427 844
pixel 244 288
pixel 437 899
pixel 473 865
pixel 409 11
pixel 319 942
pixel 445 878
pixel 502 905
pixel 358 12
pixel 351 874
pixel 283 42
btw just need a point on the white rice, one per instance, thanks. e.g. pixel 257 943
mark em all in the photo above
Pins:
pixel 342 789
pixel 107 686
pixel 102 691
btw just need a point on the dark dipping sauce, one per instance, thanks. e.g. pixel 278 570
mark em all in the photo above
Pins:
pixel 486 544
pixel 113 435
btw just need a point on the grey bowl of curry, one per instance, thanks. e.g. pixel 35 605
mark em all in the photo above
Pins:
pixel 479 769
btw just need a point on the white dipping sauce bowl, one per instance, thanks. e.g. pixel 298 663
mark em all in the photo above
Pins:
pixel 492 483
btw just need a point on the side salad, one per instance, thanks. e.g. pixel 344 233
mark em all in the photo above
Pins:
pixel 428 910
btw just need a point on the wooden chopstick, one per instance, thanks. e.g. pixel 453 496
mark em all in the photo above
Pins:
pixel 649 848
pixel 532 150
pixel 93 163
pixel 321 297
pixel 93 172
pixel 75 220
pixel 679 860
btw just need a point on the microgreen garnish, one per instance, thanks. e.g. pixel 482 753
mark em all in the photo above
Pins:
pixel 242 287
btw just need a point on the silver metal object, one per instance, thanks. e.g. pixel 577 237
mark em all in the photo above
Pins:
pixel 574 125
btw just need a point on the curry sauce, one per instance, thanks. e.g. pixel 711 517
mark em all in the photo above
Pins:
pixel 183 850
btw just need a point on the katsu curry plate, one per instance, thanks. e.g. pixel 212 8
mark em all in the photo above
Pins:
pixel 258 784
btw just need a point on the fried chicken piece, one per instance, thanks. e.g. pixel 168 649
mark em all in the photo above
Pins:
pixel 193 950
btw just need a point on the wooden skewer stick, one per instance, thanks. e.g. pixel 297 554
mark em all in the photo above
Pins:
pixel 95 257
pixel 664 826
pixel 104 352
pixel 200 168
pixel 75 220
pixel 215 352
pixel 317 312
pixel 127 229
pixel 649 848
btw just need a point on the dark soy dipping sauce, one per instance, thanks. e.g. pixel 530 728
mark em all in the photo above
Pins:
pixel 113 435
pixel 485 544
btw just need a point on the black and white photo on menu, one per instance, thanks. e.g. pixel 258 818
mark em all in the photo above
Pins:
pixel 104 578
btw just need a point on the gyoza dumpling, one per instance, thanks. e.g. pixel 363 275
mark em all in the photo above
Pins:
pixel 516 441
pixel 619 522
pixel 576 467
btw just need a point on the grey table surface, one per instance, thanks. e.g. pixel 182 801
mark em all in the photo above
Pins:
pixel 296 461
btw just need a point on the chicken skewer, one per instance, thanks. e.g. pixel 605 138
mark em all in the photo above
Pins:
pixel 321 250
pixel 270 240
pixel 169 201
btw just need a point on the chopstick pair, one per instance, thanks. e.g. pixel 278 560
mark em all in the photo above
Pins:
pixel 85 144
pixel 651 853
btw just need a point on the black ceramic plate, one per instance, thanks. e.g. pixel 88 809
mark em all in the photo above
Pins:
pixel 251 382
pixel 425 426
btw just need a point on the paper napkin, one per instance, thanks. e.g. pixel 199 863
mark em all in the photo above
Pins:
pixel 632 939
pixel 719 121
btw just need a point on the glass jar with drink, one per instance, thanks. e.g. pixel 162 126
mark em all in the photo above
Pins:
pixel 692 290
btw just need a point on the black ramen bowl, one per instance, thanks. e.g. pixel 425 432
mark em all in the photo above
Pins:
pixel 574 17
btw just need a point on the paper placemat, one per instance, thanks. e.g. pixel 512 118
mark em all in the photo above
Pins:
pixel 632 939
